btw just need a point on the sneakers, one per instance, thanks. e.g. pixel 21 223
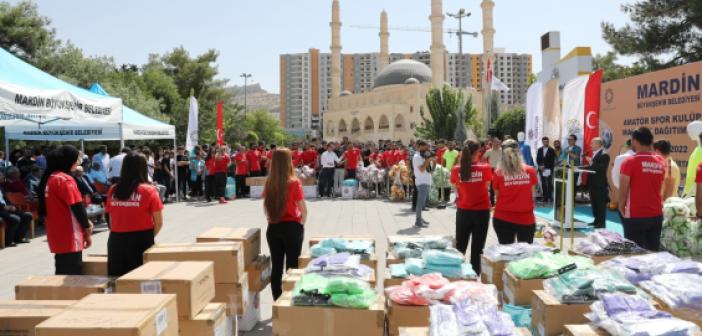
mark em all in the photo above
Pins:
pixel 424 224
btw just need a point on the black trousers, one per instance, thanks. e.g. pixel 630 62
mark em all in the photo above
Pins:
pixel 446 195
pixel 414 195
pixel 473 223
pixel 350 174
pixel 285 243
pixel 125 251
pixel 17 225
pixel 508 233
pixel 256 173
pixel 196 187
pixel 240 185
pixel 598 201
pixel 326 182
pixel 69 263
pixel 209 186
pixel 645 232
pixel 547 187
pixel 183 184
pixel 220 184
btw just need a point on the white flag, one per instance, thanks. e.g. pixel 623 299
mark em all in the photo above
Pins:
pixel 191 139
pixel 573 113
pixel 497 85
pixel 535 116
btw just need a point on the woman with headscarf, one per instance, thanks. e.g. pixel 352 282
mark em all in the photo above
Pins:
pixel 68 229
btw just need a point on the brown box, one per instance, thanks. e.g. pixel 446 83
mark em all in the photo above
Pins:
pixel 310 181
pixel 191 281
pixel 583 330
pixel 399 316
pixel 115 315
pixel 259 273
pixel 95 264
pixel 413 331
pixel 18 318
pixel 256 181
pixel 289 320
pixel 227 257
pixel 212 321
pixel 249 237
pixel 292 276
pixel 61 287
pixel 316 239
pixel 391 259
pixel 517 291
pixel 549 315
pixel 491 271
pixel 235 296
pixel 371 262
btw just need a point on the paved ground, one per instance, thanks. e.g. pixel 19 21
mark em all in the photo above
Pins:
pixel 184 221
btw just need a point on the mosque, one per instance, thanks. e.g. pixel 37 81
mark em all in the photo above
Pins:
pixel 391 110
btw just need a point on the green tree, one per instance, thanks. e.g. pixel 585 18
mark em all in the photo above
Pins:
pixel 443 105
pixel 511 122
pixel 662 33
pixel 614 71
pixel 265 128
pixel 473 120
pixel 23 31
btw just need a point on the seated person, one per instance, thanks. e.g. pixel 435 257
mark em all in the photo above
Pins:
pixel 16 221
pixel 97 174
pixel 86 186
pixel 13 182
pixel 32 182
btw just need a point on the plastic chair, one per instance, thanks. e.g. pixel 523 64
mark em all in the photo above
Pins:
pixel 21 203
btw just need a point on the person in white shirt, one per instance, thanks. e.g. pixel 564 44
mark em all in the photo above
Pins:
pixel 328 162
pixel 617 166
pixel 103 158
pixel 116 165
pixel 422 180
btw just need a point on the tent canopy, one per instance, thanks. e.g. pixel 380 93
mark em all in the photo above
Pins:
pixel 28 93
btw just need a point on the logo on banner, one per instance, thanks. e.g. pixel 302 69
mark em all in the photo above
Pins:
pixel 609 96
pixel 574 126
pixel 588 119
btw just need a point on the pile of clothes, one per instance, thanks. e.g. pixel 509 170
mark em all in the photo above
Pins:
pixel 363 248
pixel 304 172
pixel 414 249
pixel 433 288
pixel 316 290
pixel 604 242
pixel 677 290
pixel 624 315
pixel 544 265
pixel 441 179
pixel 584 285
pixel 449 263
pixel 340 264
pixel 465 318
pixel 512 252
pixel 643 267
pixel 400 177
pixel 682 232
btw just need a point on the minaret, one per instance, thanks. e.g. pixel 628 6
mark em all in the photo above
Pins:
pixel 488 29
pixel 438 50
pixel 384 49
pixel 335 50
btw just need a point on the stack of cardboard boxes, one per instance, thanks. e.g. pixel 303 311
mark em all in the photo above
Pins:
pixel 255 185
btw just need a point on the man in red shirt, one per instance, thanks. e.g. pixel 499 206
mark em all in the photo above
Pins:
pixel 440 149
pixel 351 157
pixel 263 159
pixel 253 156
pixel 389 156
pixel 309 156
pixel 640 186
pixel 402 154
pixel 296 155
pixel 241 171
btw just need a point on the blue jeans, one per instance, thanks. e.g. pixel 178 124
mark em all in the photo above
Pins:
pixel 422 195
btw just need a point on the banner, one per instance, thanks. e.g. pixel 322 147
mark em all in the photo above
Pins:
pixel 592 111
pixel 220 124
pixel 19 102
pixel 191 139
pixel 573 110
pixel 534 116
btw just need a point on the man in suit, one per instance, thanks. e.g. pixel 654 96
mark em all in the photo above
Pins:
pixel 546 160
pixel 597 183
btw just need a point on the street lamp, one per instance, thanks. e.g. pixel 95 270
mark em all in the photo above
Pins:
pixel 246 77
pixel 459 16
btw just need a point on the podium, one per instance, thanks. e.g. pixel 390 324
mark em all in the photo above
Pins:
pixel 564 200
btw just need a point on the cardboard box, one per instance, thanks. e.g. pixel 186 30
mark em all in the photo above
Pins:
pixel 252 313
pixel 549 315
pixel 256 191
pixel 310 181
pixel 212 321
pixel 491 271
pixel 413 331
pixel 292 276
pixel 115 315
pixel 259 273
pixel 250 238
pixel 191 281
pixel 391 259
pixel 309 191
pixel 289 320
pixel 61 287
pixel 256 181
pixel 235 296
pixel 305 259
pixel 227 257
pixel 95 264
pixel 399 316
pixel 18 318
pixel 583 330
pixel 517 291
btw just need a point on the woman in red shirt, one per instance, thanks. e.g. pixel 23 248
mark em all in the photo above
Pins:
pixel 135 216
pixel 514 186
pixel 209 174
pixel 285 209
pixel 471 179
pixel 221 165
pixel 68 230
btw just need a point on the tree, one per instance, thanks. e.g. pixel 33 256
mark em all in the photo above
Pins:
pixel 511 122
pixel 443 105
pixel 662 33
pixel 23 31
pixel 68 63
pixel 264 127
pixel 614 71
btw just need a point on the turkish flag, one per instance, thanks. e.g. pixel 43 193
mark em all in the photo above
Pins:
pixel 220 124
pixel 592 110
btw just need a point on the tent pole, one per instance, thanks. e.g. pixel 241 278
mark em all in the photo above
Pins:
pixel 121 136
pixel 176 174
pixel 82 146
pixel 7 148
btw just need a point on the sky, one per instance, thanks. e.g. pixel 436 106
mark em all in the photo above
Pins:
pixel 250 35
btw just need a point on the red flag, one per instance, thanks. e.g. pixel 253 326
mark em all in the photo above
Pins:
pixel 220 124
pixel 488 72
pixel 592 110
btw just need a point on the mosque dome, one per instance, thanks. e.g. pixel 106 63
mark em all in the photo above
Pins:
pixel 403 72
pixel 345 93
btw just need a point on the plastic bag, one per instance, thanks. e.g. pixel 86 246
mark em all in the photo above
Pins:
pixel 361 300
pixel 521 316
pixel 437 257
pixel 230 190
pixel 545 265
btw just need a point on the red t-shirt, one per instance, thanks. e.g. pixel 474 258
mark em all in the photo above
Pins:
pixel 352 156
pixel 646 172
pixel 269 156
pixel 210 165
pixel 296 157
pixel 293 212
pixel 309 157
pixel 242 166
pixel 515 203
pixel 63 232
pixel 373 157
pixel 134 214
pixel 401 155
pixel 389 158
pixel 254 159
pixel 473 194
pixel 440 155
pixel 221 164
pixel 698 174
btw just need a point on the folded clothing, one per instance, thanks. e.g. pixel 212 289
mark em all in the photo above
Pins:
pixel 604 242
pixel 342 264
pixel 643 267
pixel 364 248
pixel 677 290
pixel 512 252
pixel 414 249
pixel 314 290
pixel 415 266
pixel 545 265
pixel 584 285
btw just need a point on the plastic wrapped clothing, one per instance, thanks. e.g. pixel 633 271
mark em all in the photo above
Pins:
pixel 415 266
pixel 414 249
pixel 442 321
pixel 398 271
pixel 364 248
pixel 625 315
pixel 643 267
pixel 400 174
pixel 678 290
pixel 340 264
pixel 583 286
pixel 309 289
pixel 512 252
pixel 545 265
pixel 681 234
pixel 478 319
pixel 521 316
pixel 604 242
pixel 441 177
pixel 436 257
pixel 473 291
pixel 418 291
pixel 314 289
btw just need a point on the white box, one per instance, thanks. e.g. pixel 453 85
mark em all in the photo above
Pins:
pixel 252 314
pixel 310 191
pixel 256 191
pixel 348 192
